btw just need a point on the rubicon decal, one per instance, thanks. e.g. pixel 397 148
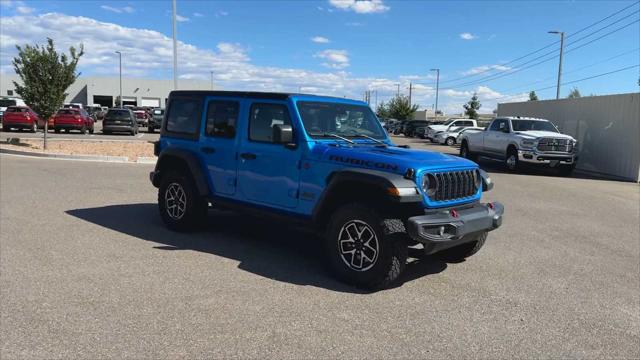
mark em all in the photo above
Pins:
pixel 367 163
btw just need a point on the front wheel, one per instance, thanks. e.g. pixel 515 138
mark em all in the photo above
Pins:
pixel 450 141
pixel 566 170
pixel 363 248
pixel 461 252
pixel 511 161
pixel 181 207
pixel 465 153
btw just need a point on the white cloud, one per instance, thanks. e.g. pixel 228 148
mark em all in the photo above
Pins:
pixel 119 10
pixel 467 36
pixel 181 18
pixel 360 6
pixel 197 14
pixel 320 40
pixel 19 6
pixel 24 10
pixel 221 13
pixel 335 59
pixel 485 68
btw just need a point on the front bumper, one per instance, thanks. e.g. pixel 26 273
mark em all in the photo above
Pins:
pixel 17 125
pixel 554 159
pixel 444 229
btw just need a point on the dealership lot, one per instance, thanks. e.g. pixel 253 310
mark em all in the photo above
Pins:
pixel 98 275
pixel 75 135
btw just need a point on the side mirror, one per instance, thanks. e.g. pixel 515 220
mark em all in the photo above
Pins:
pixel 282 134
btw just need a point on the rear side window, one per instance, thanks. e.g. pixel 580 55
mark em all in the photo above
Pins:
pixel 184 116
pixel 262 119
pixel 16 110
pixel 67 112
pixel 222 117
pixel 118 114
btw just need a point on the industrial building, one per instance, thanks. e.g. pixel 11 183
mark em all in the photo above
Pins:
pixel 105 91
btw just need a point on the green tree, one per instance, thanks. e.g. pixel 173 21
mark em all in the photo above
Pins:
pixel 46 75
pixel 382 111
pixel 400 108
pixel 471 108
pixel 574 94
pixel 533 96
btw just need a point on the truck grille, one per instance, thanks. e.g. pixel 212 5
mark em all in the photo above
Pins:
pixel 452 185
pixel 556 145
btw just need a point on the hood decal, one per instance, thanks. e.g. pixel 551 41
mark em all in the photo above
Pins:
pixel 361 162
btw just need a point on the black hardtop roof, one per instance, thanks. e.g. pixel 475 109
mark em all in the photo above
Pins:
pixel 243 94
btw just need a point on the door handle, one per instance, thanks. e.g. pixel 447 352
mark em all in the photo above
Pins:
pixel 248 156
pixel 207 150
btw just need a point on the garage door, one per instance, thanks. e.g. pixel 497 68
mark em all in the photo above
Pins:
pixel 150 102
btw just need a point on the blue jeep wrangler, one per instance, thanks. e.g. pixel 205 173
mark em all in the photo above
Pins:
pixel 322 162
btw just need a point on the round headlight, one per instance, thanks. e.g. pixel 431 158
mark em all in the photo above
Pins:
pixel 429 184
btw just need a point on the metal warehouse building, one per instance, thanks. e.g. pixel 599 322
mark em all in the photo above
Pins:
pixel 106 90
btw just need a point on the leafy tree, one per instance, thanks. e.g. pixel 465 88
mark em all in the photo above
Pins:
pixel 382 112
pixel 399 108
pixel 574 94
pixel 46 75
pixel 533 96
pixel 471 108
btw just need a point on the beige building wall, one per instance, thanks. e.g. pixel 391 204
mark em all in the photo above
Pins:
pixel 607 129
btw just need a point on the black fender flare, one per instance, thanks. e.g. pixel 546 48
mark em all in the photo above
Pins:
pixel 190 160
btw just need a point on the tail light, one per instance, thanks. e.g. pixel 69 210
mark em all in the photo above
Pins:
pixel 77 117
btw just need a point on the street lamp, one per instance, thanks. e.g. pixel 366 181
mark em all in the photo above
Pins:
pixel 560 63
pixel 175 49
pixel 211 80
pixel 398 92
pixel 435 112
pixel 120 56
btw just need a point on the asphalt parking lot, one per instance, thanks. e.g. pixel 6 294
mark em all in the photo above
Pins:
pixel 143 135
pixel 87 270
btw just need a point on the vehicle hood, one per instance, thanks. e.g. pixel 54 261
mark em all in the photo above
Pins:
pixel 536 134
pixel 437 127
pixel 390 159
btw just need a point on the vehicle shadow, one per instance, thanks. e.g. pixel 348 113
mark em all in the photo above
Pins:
pixel 271 249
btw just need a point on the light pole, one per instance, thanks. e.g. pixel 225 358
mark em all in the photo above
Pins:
pixel 120 56
pixel 398 92
pixel 211 80
pixel 560 63
pixel 435 112
pixel 175 49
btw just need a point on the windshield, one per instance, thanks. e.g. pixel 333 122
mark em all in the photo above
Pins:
pixel 16 109
pixel 526 125
pixel 322 118
pixel 6 103
pixel 448 122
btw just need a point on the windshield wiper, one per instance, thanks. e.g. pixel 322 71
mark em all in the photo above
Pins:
pixel 370 138
pixel 337 137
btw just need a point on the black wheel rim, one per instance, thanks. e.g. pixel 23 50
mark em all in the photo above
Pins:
pixel 358 245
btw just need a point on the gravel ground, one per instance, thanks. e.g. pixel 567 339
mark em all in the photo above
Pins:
pixel 132 149
pixel 87 270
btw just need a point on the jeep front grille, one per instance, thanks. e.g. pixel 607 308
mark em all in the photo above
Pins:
pixel 555 145
pixel 452 185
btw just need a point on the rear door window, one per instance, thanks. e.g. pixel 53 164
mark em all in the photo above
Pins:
pixel 222 117
pixel 17 110
pixel 184 116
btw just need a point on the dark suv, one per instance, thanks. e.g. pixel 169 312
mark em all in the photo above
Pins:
pixel 119 120
pixel 325 163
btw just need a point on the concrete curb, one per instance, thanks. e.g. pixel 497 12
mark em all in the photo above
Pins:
pixel 114 159
pixel 12 140
pixel 146 160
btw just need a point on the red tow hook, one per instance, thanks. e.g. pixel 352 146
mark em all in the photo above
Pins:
pixel 454 213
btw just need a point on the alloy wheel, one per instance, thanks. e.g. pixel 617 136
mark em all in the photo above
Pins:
pixel 358 245
pixel 175 201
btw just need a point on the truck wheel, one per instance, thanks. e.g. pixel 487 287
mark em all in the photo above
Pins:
pixel 364 249
pixel 511 161
pixel 181 208
pixel 461 252
pixel 465 153
pixel 450 141
pixel 566 170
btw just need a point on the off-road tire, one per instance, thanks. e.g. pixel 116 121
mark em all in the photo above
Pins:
pixel 466 153
pixel 195 207
pixel 392 250
pixel 461 252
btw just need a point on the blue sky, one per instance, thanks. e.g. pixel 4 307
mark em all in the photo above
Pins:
pixel 344 47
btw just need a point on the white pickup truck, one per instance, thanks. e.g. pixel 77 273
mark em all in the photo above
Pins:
pixel 517 140
pixel 448 125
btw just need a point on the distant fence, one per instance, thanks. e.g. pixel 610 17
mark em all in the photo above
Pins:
pixel 607 129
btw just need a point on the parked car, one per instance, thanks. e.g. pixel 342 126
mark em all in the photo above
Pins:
pixel 72 106
pixel 20 117
pixel 95 111
pixel 368 197
pixel 6 101
pixel 155 122
pixel 142 117
pixel 119 120
pixel 410 127
pixel 517 140
pixel 466 131
pixel 68 119
pixel 451 123
pixel 449 137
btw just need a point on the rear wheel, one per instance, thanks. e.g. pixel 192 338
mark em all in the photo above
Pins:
pixel 365 249
pixel 57 131
pixel 83 131
pixel 180 205
pixel 463 251
pixel 34 127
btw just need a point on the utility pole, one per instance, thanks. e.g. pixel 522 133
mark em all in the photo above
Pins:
pixel 410 91
pixel 211 80
pixel 435 112
pixel 560 63
pixel 376 99
pixel 398 92
pixel 120 98
pixel 175 49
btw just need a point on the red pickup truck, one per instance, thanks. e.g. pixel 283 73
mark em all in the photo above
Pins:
pixel 20 117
